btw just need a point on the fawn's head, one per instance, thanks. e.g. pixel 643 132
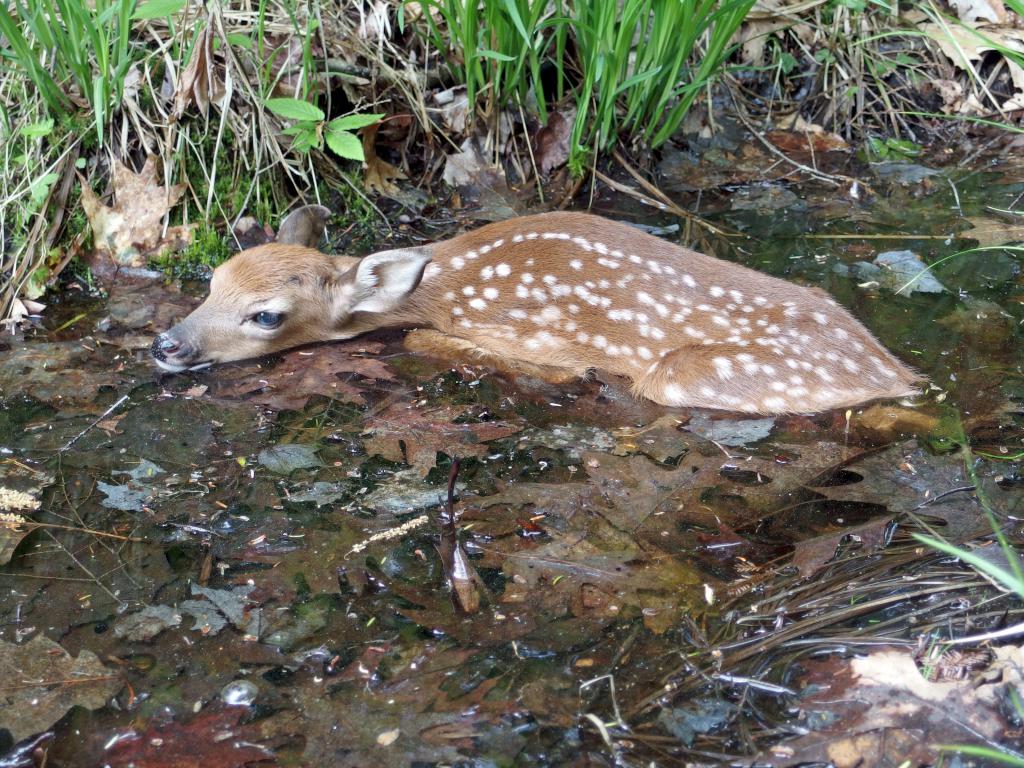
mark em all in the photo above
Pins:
pixel 286 294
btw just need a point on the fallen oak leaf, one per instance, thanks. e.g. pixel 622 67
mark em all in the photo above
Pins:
pixel 992 232
pixel 40 682
pixel 217 735
pixel 414 435
pixel 302 373
pixel 880 710
pixel 130 229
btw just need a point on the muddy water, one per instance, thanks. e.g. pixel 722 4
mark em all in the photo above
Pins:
pixel 252 550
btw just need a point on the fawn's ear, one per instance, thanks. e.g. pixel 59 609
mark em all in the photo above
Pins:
pixel 382 281
pixel 304 226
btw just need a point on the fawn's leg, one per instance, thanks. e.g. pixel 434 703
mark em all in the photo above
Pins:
pixel 751 380
pixel 438 344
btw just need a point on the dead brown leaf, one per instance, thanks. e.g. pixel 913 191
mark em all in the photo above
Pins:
pixel 132 227
pixel 992 232
pixel 40 682
pixel 902 479
pixel 811 555
pixel 218 735
pixel 879 710
pixel 379 174
pixel 199 83
pixel 553 142
pixel 302 373
pixel 408 433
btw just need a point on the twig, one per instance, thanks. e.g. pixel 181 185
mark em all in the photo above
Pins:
pixel 102 416
pixel 32 525
pixel 672 205
pixel 834 179
pixel 661 206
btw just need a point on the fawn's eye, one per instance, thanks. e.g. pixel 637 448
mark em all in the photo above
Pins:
pixel 268 321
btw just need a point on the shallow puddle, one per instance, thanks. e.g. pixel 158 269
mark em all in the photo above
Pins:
pixel 254 549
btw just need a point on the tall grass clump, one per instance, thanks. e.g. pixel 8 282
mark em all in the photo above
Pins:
pixel 496 48
pixel 644 63
pixel 73 51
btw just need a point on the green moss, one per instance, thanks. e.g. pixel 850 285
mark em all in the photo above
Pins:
pixel 207 250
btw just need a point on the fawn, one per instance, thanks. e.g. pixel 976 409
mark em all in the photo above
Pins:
pixel 556 296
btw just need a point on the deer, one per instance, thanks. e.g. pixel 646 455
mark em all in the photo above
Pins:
pixel 558 296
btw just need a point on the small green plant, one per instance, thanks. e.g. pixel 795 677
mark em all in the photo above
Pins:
pixel 310 128
pixel 878 150
pixel 207 250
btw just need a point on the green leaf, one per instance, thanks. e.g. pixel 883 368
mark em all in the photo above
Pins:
pixel 238 40
pixel 295 109
pixel 495 55
pixel 158 9
pixel 345 144
pixel 40 188
pixel 351 122
pixel 37 130
pixel 305 137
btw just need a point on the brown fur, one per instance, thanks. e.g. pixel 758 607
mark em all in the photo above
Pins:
pixel 558 294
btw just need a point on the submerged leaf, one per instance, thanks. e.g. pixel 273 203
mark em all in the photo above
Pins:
pixel 40 682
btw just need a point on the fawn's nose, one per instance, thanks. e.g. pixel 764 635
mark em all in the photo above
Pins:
pixel 168 349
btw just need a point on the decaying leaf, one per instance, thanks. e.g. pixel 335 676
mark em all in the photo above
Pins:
pixel 879 710
pixel 40 682
pixel 60 371
pixel 553 141
pixel 132 227
pixel 983 10
pixel 411 434
pixel 199 83
pixel 13 528
pixel 302 373
pixel 993 232
pixel 965 46
pixel 22 310
pixel 215 736
pixel 379 174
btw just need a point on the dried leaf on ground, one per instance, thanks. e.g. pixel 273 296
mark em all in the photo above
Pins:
pixel 965 47
pixel 379 174
pixel 132 227
pixel 552 141
pixel 40 682
pixel 992 232
pixel 216 736
pixel 301 373
pixel 482 181
pixel 199 83
pixel 415 435
pixel 984 10
pixel 806 145
pixel 879 710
